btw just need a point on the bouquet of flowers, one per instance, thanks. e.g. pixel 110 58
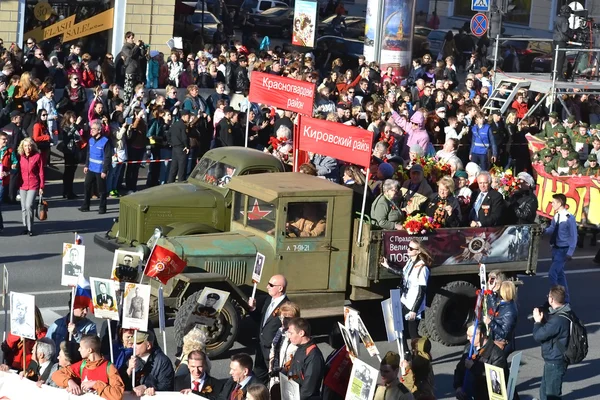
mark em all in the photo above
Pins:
pixel 210 179
pixel 418 224
pixel 280 148
pixel 506 181
pixel 433 169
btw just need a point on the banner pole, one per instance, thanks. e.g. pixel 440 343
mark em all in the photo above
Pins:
pixel 400 342
pixel 134 355
pixel 71 312
pixel 110 341
pixel 362 209
pixel 4 300
pixel 24 354
pixel 147 261
pixel 161 317
pixel 247 120
pixel 253 291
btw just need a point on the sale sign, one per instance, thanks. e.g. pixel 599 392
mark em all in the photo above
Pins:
pixel 281 92
pixel 335 140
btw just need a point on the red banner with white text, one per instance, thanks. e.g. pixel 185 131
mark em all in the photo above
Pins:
pixel 281 92
pixel 336 140
pixel 581 191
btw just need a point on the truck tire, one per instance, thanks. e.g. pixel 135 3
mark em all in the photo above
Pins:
pixel 221 336
pixel 451 311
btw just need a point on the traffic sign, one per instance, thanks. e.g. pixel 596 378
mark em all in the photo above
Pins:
pixel 480 5
pixel 479 24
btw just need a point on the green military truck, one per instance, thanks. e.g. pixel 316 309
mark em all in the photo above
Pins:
pixel 201 204
pixel 327 266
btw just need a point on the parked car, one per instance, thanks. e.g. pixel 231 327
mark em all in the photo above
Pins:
pixel 275 22
pixel 527 51
pixel 355 27
pixel 259 6
pixel 189 26
pixel 420 34
pixel 348 50
pixel 544 63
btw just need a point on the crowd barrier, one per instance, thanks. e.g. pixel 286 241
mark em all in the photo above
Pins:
pixel 13 387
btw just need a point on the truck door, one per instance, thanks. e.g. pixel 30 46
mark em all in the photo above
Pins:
pixel 305 247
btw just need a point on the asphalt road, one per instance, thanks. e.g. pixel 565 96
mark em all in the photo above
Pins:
pixel 34 267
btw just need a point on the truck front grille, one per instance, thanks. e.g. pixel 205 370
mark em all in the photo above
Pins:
pixel 234 270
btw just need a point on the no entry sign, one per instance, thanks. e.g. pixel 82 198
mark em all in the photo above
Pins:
pixel 479 24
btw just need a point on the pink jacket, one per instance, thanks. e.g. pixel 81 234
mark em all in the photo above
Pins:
pixel 32 172
pixel 414 135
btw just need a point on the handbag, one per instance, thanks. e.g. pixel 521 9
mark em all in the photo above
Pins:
pixel 42 209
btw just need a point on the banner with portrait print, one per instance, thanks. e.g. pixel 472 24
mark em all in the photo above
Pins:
pixel 305 23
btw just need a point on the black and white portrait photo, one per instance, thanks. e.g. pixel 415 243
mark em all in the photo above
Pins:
pixel 105 298
pixel 348 341
pixel 259 263
pixel 136 303
pixel 22 315
pixel 210 303
pixel 126 266
pixel 495 382
pixel 73 259
pixel 363 381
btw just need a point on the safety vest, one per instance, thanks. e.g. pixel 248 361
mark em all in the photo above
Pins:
pixel 97 154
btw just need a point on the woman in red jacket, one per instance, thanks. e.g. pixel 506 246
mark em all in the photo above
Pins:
pixel 32 176
pixel 41 136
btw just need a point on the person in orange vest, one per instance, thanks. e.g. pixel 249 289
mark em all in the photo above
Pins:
pixel 93 374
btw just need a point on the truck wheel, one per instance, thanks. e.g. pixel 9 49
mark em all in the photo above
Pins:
pixel 451 311
pixel 423 331
pixel 220 335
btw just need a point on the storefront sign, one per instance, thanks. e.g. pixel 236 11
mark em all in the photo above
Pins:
pixel 71 30
pixel 285 93
pixel 42 11
pixel 581 191
pixel 335 140
pixel 458 246
pixel 305 23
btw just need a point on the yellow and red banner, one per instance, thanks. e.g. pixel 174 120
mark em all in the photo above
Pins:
pixel 581 191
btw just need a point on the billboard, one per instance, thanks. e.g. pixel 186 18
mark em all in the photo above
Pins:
pixel 305 23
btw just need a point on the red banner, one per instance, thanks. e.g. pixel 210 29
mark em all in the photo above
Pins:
pixel 335 140
pixel 164 264
pixel 285 93
pixel 581 191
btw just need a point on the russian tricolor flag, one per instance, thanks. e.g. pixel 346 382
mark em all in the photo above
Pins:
pixel 78 239
pixel 83 295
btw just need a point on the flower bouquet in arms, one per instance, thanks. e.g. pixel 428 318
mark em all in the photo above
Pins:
pixel 419 224
pixel 504 181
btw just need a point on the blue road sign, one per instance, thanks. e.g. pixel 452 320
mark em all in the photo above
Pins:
pixel 479 24
pixel 480 5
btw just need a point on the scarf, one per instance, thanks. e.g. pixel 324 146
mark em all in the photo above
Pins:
pixel 124 356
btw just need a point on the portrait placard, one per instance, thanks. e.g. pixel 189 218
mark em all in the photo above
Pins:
pixel 104 297
pixel 388 319
pixel 351 317
pixel 366 338
pixel 136 302
pixel 73 260
pixel 210 303
pixel 395 296
pixel 348 341
pixel 126 266
pixel 290 390
pixel 363 381
pixel 22 315
pixel 495 382
pixel 259 264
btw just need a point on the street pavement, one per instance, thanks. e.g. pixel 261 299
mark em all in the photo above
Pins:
pixel 34 265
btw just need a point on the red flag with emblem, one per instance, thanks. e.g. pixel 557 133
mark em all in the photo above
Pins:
pixel 164 264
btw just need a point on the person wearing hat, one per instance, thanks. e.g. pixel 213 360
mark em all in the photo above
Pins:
pixel 592 169
pixel 418 373
pixel 153 369
pixel 561 166
pixel 92 374
pixel 523 203
pixel 581 141
pixel 391 389
pixel 547 160
pixel 550 128
pixel 573 163
pixel 595 150
pixel 570 125
pixel 415 130
pixel 561 131
pixel 180 143
pixel 415 191
pixel 462 191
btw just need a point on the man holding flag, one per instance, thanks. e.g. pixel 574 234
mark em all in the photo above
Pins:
pixel 82 304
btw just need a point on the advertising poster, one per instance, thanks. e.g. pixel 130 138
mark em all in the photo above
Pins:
pixel 465 246
pixel 371 29
pixel 305 23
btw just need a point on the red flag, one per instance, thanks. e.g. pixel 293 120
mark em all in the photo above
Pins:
pixel 164 264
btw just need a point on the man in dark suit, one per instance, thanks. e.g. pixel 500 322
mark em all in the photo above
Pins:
pixel 225 132
pixel 240 369
pixel 487 205
pixel 268 322
pixel 193 378
pixel 103 298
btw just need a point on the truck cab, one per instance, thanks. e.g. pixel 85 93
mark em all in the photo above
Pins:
pixel 305 228
pixel 202 204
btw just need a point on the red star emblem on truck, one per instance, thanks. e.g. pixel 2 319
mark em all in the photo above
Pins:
pixel 256 213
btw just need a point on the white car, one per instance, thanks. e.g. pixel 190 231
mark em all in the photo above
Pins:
pixel 258 6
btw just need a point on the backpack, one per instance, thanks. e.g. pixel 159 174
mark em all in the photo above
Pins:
pixel 577 344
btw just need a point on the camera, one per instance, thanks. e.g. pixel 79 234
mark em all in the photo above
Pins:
pixel 543 308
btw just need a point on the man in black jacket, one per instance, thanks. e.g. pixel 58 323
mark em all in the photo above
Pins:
pixel 133 54
pixel 308 366
pixel 242 82
pixel 523 203
pixel 240 369
pixel 269 322
pixel 552 332
pixel 488 353
pixel 15 133
pixel 225 132
pixel 153 369
pixel 230 69
pixel 487 205
pixel 562 34
pixel 193 378
pixel 181 147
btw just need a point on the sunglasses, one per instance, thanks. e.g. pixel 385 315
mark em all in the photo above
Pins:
pixel 75 79
pixel 271 285
pixel 413 248
pixel 44 115
pixel 29 42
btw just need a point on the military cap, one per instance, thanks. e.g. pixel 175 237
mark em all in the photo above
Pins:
pixel 546 153
pixel 571 120
pixel 392 359
pixel 461 174
pixel 553 114
pixel 213 296
pixel 566 146
pixel 583 125
pixel 552 143
pixel 573 156
pixel 592 157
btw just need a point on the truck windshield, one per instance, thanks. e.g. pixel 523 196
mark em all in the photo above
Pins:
pixel 213 172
